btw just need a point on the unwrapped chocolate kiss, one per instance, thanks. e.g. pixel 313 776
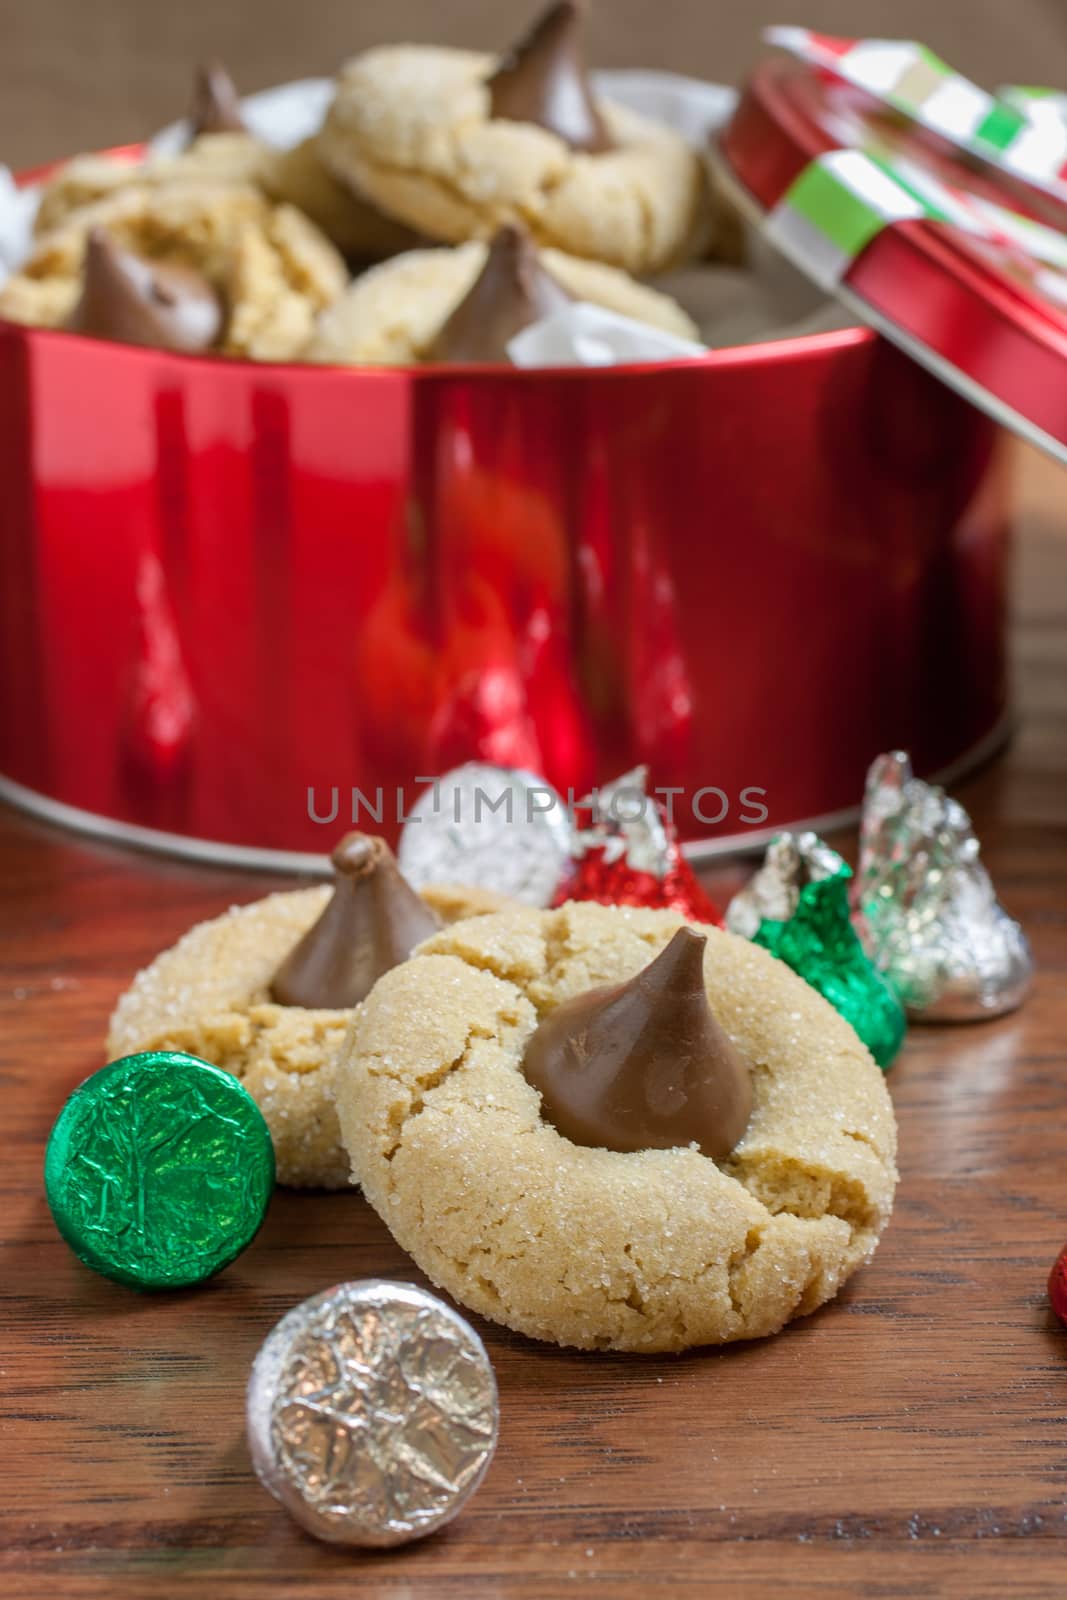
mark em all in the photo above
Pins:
pixel 643 1065
pixel 373 922
pixel 216 105
pixel 512 292
pixel 162 304
pixel 543 80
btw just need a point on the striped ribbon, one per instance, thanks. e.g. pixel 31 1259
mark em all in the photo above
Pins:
pixel 914 82
pixel 844 198
pixel 1039 105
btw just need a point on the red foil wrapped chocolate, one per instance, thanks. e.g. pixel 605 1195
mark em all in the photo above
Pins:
pixel 627 854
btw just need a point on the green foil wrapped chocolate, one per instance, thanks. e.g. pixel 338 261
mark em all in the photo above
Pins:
pixel 797 907
pixel 159 1170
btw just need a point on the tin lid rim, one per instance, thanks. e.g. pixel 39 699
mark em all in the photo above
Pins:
pixel 803 140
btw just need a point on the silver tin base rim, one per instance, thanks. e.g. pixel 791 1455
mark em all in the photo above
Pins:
pixel 253 858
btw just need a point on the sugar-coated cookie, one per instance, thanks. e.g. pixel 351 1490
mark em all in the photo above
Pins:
pixel 210 996
pixel 217 158
pixel 360 231
pixel 195 225
pixel 654 1249
pixel 273 268
pixel 440 139
pixel 282 273
pixel 396 312
pixel 296 177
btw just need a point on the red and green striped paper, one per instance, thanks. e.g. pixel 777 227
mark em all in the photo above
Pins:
pixel 916 83
pixel 843 200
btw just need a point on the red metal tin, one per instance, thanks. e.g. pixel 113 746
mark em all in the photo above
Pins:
pixel 229 590
pixel 225 585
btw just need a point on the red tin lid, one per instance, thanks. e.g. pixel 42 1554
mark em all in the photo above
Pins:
pixel 984 314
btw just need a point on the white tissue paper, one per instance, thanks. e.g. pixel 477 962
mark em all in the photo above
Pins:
pixel 691 107
pixel 585 335
pixel 18 207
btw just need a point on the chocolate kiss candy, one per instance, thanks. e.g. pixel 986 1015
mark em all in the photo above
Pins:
pixel 372 1413
pixel 643 1065
pixel 926 908
pixel 632 857
pixel 518 843
pixel 543 80
pixel 216 105
pixel 159 1170
pixel 373 922
pixel 796 907
pixel 156 303
pixel 511 291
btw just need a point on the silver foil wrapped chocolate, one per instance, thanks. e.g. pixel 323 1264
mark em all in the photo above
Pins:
pixel 925 906
pixel 495 827
pixel 627 825
pixel 772 894
pixel 372 1413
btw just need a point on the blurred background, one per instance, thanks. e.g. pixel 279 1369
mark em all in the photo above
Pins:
pixel 81 74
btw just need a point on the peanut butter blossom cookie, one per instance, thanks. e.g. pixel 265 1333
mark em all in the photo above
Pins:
pixel 269 269
pixel 209 250
pixel 162 304
pixel 221 149
pixel 608 1128
pixel 267 991
pixel 466 304
pixel 456 144
pixel 297 176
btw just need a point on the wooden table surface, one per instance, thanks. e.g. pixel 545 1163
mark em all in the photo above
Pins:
pixel 909 1439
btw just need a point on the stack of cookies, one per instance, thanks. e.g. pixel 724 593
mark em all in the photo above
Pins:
pixel 449 200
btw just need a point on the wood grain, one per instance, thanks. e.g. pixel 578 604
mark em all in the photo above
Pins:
pixel 910 1439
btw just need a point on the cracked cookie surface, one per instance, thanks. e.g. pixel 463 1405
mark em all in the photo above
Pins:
pixel 274 269
pixel 297 177
pixel 215 158
pixel 410 128
pixel 209 996
pixel 360 231
pixel 649 1250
